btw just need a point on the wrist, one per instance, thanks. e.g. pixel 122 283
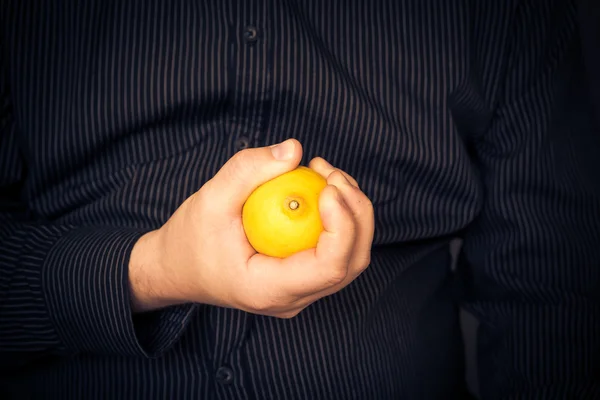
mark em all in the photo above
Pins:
pixel 148 278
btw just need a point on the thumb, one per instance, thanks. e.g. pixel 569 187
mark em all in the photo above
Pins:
pixel 250 168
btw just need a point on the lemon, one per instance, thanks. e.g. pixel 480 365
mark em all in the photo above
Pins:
pixel 281 217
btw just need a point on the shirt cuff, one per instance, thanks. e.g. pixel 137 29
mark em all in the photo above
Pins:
pixel 86 289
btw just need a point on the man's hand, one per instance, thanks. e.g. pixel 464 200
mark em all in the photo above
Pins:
pixel 202 255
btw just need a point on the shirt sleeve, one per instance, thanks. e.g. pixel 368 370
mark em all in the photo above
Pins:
pixel 531 260
pixel 64 289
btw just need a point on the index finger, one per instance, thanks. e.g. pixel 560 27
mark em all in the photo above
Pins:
pixel 324 168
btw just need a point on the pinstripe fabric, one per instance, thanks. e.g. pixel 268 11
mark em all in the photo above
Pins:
pixel 457 118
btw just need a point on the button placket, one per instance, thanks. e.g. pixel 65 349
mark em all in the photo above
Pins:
pixel 249 87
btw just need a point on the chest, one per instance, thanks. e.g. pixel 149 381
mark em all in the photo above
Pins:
pixel 364 84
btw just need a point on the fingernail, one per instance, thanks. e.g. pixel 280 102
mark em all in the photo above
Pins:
pixel 284 150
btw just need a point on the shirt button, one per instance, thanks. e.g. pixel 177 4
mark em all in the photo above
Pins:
pixel 224 375
pixel 251 34
pixel 242 143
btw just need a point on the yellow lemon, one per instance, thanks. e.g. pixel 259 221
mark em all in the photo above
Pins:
pixel 281 217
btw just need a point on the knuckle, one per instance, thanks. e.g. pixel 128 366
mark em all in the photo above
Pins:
pixel 366 262
pixel 337 174
pixel 198 206
pixel 288 314
pixel 270 303
pixel 350 180
pixel 243 155
pixel 368 205
pixel 337 276
pixel 354 182
pixel 242 162
pixel 261 305
pixel 365 208
pixel 247 162
pixel 201 198
pixel 337 177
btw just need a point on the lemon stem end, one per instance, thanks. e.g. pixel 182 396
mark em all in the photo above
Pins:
pixel 293 205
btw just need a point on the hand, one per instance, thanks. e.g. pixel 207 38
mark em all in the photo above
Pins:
pixel 202 255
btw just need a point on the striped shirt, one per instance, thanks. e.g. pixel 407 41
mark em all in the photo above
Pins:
pixel 458 119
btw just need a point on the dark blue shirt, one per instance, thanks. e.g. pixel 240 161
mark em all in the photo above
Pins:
pixel 458 119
